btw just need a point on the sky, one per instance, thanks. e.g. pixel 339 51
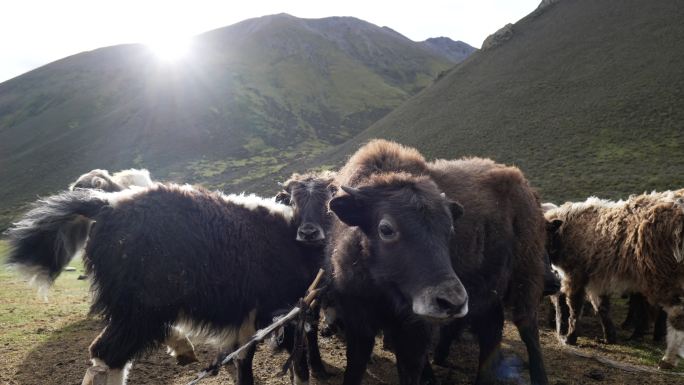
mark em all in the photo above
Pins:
pixel 36 32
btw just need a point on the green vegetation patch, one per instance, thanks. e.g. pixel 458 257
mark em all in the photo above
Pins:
pixel 26 317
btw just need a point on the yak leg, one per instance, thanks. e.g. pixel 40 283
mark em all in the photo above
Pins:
pixel 313 350
pixel 243 366
pixel 411 343
pixel 640 309
pixel 601 306
pixel 675 337
pixel 101 374
pixel 489 329
pixel 243 363
pixel 525 317
pixel 562 313
pixel 359 347
pixel 529 334
pixel 551 312
pixel 113 350
pixel 660 326
pixel 575 301
pixel 447 334
pixel 633 304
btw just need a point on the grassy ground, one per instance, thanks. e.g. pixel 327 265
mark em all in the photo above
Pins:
pixel 47 343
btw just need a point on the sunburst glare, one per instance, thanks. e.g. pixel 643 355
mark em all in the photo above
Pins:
pixel 170 49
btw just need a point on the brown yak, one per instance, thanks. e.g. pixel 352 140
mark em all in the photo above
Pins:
pixel 636 245
pixel 497 245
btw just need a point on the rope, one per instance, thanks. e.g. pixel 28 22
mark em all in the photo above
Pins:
pixel 619 365
pixel 311 294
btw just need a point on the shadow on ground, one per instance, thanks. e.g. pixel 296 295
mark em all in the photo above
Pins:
pixel 63 359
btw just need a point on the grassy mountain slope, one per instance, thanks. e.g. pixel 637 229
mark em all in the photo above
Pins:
pixel 253 97
pixel 586 97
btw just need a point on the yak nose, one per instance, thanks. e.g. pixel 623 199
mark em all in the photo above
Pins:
pixel 443 302
pixel 450 307
pixel 309 232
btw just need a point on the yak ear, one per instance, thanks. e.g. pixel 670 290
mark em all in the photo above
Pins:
pixel 456 210
pixel 283 197
pixel 350 208
pixel 553 225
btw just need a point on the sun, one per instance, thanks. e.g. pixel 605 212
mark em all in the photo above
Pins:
pixel 170 49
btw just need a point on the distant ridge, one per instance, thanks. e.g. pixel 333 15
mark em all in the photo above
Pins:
pixel 585 96
pixel 457 51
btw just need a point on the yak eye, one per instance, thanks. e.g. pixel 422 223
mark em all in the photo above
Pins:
pixel 386 231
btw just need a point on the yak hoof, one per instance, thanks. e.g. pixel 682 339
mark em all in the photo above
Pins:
pixel 186 358
pixel 299 381
pixel 665 365
pixel 95 375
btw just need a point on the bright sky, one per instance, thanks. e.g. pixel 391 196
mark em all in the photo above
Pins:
pixel 36 32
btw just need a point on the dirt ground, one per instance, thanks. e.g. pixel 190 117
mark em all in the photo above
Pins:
pixel 63 358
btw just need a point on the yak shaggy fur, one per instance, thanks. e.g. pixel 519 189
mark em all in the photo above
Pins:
pixel 636 245
pixel 498 244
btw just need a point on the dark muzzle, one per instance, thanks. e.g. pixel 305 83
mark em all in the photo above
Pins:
pixel 309 232
pixel 443 302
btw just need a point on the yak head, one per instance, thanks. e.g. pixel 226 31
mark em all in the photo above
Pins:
pixel 308 195
pixel 96 179
pixel 407 225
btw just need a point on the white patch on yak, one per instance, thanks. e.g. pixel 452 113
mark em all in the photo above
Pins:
pixel 561 272
pixel 178 344
pixel 678 247
pixel 249 201
pixel 133 177
pixel 574 208
pixel 113 376
pixel 675 338
pixel 224 338
pixel 548 206
pixel 115 198
pixel 252 202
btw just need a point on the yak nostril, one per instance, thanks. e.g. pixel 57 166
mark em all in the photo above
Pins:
pixel 308 233
pixel 449 307
pixel 444 304
pixel 458 309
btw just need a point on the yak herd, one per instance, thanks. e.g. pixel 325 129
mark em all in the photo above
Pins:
pixel 411 249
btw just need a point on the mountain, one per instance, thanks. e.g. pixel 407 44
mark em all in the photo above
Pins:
pixel 456 51
pixel 251 98
pixel 587 97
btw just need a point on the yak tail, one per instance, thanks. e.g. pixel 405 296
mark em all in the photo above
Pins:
pixel 47 237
